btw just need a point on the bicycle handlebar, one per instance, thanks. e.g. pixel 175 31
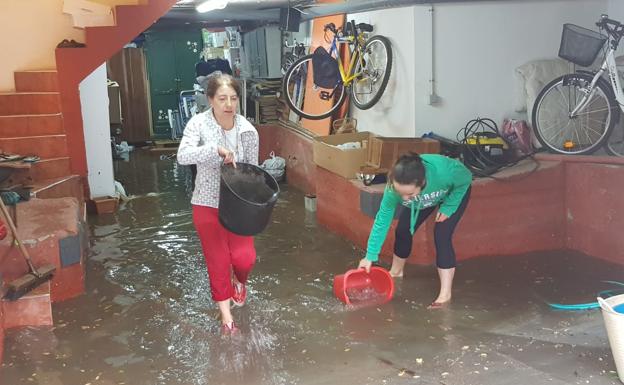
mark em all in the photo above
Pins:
pixel 330 27
pixel 610 25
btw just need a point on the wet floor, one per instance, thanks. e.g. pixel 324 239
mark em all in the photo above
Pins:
pixel 147 317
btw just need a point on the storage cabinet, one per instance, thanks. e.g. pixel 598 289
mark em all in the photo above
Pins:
pixel 263 52
pixel 171 58
pixel 128 69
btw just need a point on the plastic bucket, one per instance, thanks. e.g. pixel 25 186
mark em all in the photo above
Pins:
pixel 247 197
pixel 614 323
pixel 357 287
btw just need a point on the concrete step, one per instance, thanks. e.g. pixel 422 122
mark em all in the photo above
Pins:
pixel 44 146
pixel 36 81
pixel 53 233
pixel 66 186
pixel 44 169
pixel 33 309
pixel 29 103
pixel 31 125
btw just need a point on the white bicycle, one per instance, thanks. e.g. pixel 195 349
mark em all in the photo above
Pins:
pixel 577 113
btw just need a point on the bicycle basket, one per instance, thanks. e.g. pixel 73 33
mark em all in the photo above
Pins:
pixel 325 69
pixel 580 45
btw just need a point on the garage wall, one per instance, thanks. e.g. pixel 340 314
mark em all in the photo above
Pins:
pixel 95 121
pixel 616 10
pixel 30 31
pixel 394 114
pixel 477 47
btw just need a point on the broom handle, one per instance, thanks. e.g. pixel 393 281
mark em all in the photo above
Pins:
pixel 25 254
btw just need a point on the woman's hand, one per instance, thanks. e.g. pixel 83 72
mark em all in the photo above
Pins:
pixel 365 264
pixel 227 155
pixel 440 217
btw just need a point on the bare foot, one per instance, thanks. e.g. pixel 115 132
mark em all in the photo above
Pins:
pixel 398 274
pixel 439 303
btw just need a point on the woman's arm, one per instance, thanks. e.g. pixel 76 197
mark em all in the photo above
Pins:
pixel 192 151
pixel 383 220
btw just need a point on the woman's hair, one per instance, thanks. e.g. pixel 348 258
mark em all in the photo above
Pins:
pixel 218 79
pixel 408 169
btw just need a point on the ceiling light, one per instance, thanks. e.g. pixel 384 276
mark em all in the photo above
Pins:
pixel 211 5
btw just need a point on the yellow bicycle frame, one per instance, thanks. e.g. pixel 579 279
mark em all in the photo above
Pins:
pixel 348 76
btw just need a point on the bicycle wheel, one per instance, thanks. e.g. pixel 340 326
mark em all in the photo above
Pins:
pixel 368 88
pixel 302 94
pixel 583 133
pixel 615 143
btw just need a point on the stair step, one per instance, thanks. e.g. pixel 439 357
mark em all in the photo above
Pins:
pixel 66 186
pixel 128 14
pixel 33 309
pixel 44 169
pixel 36 81
pixel 31 125
pixel 45 146
pixel 106 35
pixel 29 103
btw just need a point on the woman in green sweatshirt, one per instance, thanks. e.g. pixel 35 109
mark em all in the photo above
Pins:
pixel 422 183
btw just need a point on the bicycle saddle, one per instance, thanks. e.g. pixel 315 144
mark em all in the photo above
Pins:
pixel 365 27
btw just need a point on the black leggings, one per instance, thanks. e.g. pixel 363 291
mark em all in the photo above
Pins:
pixel 443 234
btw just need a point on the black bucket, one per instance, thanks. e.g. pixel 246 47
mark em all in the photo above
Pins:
pixel 247 196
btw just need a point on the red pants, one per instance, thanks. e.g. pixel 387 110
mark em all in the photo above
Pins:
pixel 224 252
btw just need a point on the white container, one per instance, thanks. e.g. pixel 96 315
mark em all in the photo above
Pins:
pixel 88 13
pixel 310 203
pixel 614 323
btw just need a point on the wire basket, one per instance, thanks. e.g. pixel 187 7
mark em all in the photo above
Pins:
pixel 580 45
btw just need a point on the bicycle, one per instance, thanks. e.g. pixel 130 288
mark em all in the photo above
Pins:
pixel 297 50
pixel 366 76
pixel 576 113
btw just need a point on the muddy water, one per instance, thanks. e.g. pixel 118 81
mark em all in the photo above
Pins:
pixel 147 317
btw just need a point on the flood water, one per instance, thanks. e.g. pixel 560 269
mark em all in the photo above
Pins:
pixel 147 317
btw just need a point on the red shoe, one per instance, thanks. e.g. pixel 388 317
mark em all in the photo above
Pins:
pixel 240 294
pixel 229 329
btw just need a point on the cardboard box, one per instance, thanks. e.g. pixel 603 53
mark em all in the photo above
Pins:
pixel 345 163
pixel 383 152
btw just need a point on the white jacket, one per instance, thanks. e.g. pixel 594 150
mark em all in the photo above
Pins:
pixel 202 138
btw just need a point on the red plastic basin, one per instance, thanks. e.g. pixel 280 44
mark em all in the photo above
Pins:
pixel 357 287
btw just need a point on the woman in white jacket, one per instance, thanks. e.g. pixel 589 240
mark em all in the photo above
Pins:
pixel 210 138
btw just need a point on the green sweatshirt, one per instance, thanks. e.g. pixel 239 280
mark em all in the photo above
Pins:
pixel 447 182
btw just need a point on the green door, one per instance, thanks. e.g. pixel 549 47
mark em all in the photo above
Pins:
pixel 171 58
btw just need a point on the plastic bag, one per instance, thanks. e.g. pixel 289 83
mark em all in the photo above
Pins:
pixel 518 134
pixel 276 166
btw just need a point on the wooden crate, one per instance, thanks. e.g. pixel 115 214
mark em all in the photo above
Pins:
pixel 383 152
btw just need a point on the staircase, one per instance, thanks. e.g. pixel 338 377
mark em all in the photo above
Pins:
pixel 31 123
pixel 74 64
pixel 43 117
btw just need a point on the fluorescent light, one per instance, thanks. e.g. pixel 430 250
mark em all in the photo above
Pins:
pixel 211 5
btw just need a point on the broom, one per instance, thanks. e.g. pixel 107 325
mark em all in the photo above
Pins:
pixel 34 277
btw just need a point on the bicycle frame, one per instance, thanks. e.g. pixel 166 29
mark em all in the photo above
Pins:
pixel 609 66
pixel 356 55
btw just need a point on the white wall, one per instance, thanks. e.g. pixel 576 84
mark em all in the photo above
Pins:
pixel 96 123
pixel 394 114
pixel 30 31
pixel 477 47
pixel 616 10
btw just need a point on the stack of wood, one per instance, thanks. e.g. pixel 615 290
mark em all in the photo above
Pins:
pixel 283 111
pixel 268 108
pixel 265 92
